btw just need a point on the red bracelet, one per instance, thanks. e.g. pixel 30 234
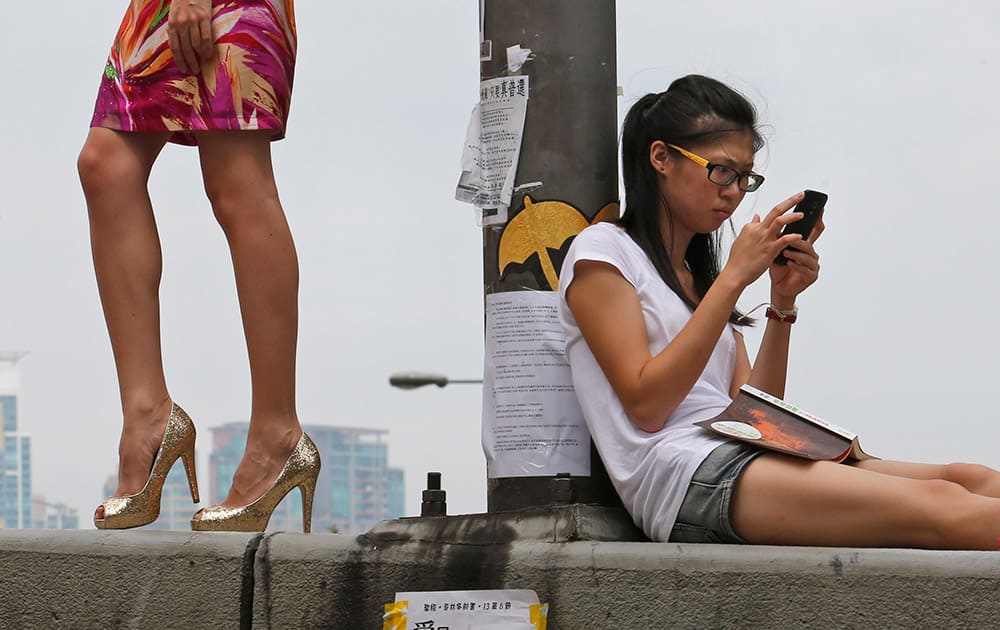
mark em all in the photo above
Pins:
pixel 786 317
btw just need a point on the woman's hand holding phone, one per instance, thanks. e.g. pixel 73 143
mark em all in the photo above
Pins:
pixel 811 207
pixel 797 266
pixel 760 241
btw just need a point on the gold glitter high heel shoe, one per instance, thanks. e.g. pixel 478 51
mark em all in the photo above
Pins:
pixel 143 507
pixel 300 471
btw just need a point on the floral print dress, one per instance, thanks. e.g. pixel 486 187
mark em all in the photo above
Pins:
pixel 248 86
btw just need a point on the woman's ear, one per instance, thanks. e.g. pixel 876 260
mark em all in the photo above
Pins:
pixel 659 156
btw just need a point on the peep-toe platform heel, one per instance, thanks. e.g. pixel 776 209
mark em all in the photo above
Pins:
pixel 300 471
pixel 143 507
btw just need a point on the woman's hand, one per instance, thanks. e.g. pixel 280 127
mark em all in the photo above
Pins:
pixel 189 30
pixel 802 269
pixel 760 241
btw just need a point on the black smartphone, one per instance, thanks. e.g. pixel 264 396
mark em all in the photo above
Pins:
pixel 812 209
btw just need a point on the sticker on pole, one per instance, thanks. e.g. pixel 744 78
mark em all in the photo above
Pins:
pixel 466 610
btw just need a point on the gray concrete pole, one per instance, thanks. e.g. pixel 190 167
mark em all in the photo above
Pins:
pixel 569 145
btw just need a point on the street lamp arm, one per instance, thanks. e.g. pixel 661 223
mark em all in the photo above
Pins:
pixel 413 380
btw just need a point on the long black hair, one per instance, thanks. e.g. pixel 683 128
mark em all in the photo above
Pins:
pixel 693 109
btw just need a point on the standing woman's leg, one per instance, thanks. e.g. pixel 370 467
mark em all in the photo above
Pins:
pixel 240 184
pixel 114 170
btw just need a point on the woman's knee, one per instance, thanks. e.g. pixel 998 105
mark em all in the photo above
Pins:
pixel 239 179
pixel 238 203
pixel 106 162
pixel 975 478
pixel 944 511
pixel 95 166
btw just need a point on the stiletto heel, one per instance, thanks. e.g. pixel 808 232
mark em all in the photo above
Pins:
pixel 308 491
pixel 143 507
pixel 189 469
pixel 300 471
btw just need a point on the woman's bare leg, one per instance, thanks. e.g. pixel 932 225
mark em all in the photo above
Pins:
pixel 973 477
pixel 114 170
pixel 240 184
pixel 789 501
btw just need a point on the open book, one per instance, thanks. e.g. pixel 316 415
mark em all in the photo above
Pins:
pixel 759 418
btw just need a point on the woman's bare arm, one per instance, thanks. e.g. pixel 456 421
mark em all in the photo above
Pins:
pixel 607 310
pixel 770 368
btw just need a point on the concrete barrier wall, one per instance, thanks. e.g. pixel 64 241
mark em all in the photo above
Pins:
pixel 81 579
pixel 185 580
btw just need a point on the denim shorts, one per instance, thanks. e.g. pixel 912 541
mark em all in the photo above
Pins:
pixel 704 514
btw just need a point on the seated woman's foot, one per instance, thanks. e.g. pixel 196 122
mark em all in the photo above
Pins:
pixel 141 437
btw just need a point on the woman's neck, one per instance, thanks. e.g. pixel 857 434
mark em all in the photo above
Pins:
pixel 676 241
pixel 677 245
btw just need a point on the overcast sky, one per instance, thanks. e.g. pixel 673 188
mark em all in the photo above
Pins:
pixel 890 107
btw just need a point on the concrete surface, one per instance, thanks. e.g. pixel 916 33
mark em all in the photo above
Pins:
pixel 315 583
pixel 90 579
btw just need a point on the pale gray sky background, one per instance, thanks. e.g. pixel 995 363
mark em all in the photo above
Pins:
pixel 887 106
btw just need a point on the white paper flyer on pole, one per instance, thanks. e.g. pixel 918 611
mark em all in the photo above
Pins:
pixel 493 147
pixel 532 421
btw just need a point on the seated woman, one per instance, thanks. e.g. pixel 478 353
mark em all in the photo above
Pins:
pixel 654 342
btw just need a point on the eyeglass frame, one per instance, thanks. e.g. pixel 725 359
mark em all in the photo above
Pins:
pixel 737 177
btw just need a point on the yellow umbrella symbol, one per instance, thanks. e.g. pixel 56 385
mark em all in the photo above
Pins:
pixel 542 226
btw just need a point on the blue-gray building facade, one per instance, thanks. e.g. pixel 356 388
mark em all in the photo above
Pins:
pixel 15 456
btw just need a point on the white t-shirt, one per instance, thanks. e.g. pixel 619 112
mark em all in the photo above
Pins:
pixel 650 471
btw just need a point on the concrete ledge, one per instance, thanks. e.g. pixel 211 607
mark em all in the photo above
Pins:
pixel 724 586
pixel 179 580
pixel 84 579
pixel 323 581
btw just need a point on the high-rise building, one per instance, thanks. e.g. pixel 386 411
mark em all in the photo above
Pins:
pixel 15 451
pixel 176 507
pixel 356 488
pixel 45 515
